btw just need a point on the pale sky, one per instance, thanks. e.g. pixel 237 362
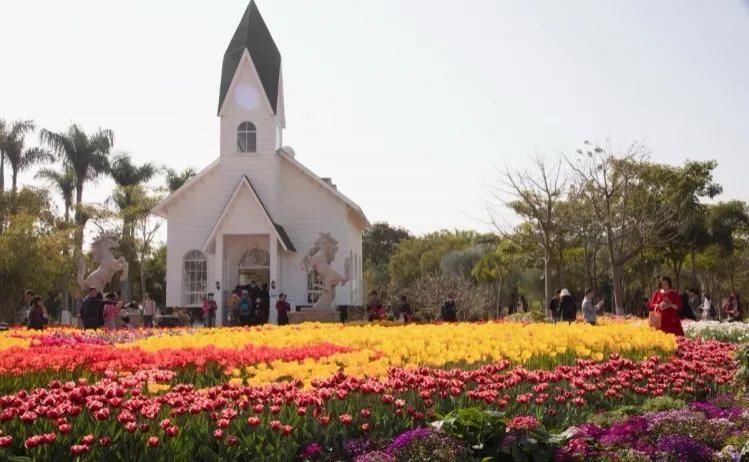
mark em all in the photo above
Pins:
pixel 411 106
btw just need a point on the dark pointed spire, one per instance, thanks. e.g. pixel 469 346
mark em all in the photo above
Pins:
pixel 252 35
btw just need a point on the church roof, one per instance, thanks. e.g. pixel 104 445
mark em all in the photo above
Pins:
pixel 252 35
pixel 279 231
pixel 284 154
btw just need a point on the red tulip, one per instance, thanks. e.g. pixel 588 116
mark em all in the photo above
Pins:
pixel 253 421
pixel 78 449
pixel 153 441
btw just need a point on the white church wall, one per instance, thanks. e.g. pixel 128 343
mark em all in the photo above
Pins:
pixel 307 210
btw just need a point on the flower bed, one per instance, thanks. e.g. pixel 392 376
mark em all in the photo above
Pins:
pixel 280 391
pixel 734 332
pixel 313 351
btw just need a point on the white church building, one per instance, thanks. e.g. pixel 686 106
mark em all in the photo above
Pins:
pixel 256 211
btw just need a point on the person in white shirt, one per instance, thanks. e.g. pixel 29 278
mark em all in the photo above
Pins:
pixel 590 311
pixel 707 306
pixel 149 310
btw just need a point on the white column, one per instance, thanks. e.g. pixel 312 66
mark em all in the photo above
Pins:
pixel 273 250
pixel 219 276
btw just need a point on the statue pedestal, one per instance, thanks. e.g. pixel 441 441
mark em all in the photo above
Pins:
pixel 313 315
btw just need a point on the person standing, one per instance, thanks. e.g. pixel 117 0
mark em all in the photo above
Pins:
pixel 209 311
pixel 666 303
pixel 405 310
pixel 111 313
pixel 567 306
pixel 707 307
pixel 733 309
pixel 374 306
pixel 687 302
pixel 245 308
pixel 149 310
pixel 233 306
pixel 449 310
pixel 90 309
pixel 590 311
pixel 37 320
pixel 25 307
pixel 273 294
pixel 554 311
pixel 264 314
pixel 283 308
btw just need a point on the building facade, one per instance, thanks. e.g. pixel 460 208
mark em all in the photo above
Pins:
pixel 256 213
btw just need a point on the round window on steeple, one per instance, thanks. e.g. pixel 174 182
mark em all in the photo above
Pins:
pixel 246 137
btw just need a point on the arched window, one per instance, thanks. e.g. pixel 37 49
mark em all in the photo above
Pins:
pixel 246 137
pixel 194 278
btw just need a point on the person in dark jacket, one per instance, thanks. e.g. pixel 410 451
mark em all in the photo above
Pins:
pixel 283 308
pixel 405 310
pixel 92 310
pixel 37 319
pixel 567 306
pixel 449 311
pixel 689 301
pixel 556 314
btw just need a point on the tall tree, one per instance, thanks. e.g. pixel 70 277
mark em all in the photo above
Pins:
pixel 87 155
pixel 129 177
pixel 64 182
pixel 175 180
pixel 535 195
pixel 631 215
pixel 18 156
pixel 683 187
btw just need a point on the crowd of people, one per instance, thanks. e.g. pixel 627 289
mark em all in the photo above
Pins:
pixel 664 309
pixel 250 305
pixel 402 311
pixel 94 311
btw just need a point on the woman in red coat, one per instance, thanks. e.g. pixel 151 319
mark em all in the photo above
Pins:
pixel 667 302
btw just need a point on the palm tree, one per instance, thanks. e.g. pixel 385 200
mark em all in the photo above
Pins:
pixel 19 158
pixel 125 173
pixel 86 155
pixel 128 177
pixel 175 180
pixel 64 182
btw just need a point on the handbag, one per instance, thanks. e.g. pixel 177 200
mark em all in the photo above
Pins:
pixel 654 319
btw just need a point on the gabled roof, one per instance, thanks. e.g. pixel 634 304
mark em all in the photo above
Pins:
pixel 277 229
pixel 252 35
pixel 325 185
pixel 160 208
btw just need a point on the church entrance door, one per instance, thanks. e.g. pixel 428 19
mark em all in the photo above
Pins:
pixel 254 266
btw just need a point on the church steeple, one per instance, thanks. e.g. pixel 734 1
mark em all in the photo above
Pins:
pixel 253 35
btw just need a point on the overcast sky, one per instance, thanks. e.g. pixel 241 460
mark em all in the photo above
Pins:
pixel 411 106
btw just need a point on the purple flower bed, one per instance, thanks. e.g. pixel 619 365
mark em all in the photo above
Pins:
pixel 695 433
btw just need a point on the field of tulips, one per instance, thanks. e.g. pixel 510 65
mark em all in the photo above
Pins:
pixel 305 392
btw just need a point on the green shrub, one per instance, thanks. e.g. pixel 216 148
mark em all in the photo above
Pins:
pixel 662 403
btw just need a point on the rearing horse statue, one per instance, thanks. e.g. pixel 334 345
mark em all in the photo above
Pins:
pixel 101 250
pixel 319 258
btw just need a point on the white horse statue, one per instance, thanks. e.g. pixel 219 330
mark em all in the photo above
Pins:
pixel 101 250
pixel 319 258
